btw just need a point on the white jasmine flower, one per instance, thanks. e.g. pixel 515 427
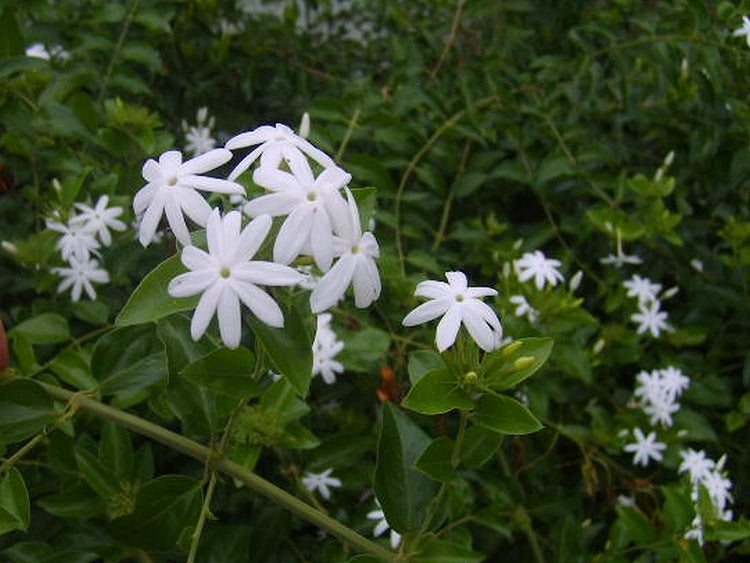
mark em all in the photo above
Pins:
pixel 575 281
pixel 718 488
pixel 645 448
pixel 673 381
pixel 171 189
pixel 697 265
pixel 74 242
pixel 536 265
pixel 648 386
pixel 618 260
pixel 198 137
pixel 696 464
pixel 696 530
pixel 325 347
pixel 357 253
pixel 309 280
pixel 524 308
pixel 642 288
pixel 225 275
pixel 744 30
pixel 457 303
pixel 274 143
pixel 320 482
pixel 99 219
pixel 382 526
pixel 79 276
pixel 314 207
pixel 39 51
pixel 651 319
pixel 661 412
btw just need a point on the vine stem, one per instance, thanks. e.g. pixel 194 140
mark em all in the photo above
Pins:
pixel 349 132
pixel 451 38
pixel 118 47
pixel 209 456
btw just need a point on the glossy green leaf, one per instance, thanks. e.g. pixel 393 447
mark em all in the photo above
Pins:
pixel 678 508
pixel 25 409
pixel 505 415
pixel 403 491
pixel 129 359
pixel 225 371
pixel 478 446
pixel 421 362
pixel 72 366
pixel 437 392
pixel 47 328
pixel 116 451
pixel 289 348
pixel 164 508
pixel 435 460
pixel 434 550
pixel 365 198
pixel 728 531
pixel 636 525
pixel 99 477
pixel 150 300
pixel 76 501
pixel 513 363
pixel 15 513
pixel 364 349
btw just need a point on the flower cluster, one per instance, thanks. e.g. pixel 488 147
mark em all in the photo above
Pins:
pixel 325 348
pixel 650 317
pixel 304 187
pixel 81 237
pixel 658 391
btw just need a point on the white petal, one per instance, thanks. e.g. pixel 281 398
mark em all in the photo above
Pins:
pixel 266 273
pixel 75 295
pixel 89 289
pixel 478 329
pixel 143 198
pixel 300 167
pixel 176 220
pixel 150 220
pixel 193 204
pixel 191 283
pixel 333 178
pixel 366 282
pixel 477 292
pixel 205 310
pixel 428 311
pixel 208 184
pixel 250 239
pixel 276 180
pixel 244 164
pixel 231 229
pixel 294 232
pixel 433 289
pixel 313 152
pixel 170 161
pixel 321 239
pixel 447 329
pixel 457 281
pixel 151 170
pixel 333 285
pixel 230 326
pixel 275 204
pixel 249 138
pixel 214 234
pixel 205 162
pixel 197 259
pixel 259 302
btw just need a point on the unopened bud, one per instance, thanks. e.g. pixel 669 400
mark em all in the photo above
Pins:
pixel 9 247
pixel 510 348
pixel 522 363
pixel 304 126
pixel 202 115
pixel 471 377
pixel 598 346
pixel 56 185
pixel 575 281
pixel 671 292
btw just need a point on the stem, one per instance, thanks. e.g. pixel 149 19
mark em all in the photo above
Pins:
pixel 348 136
pixel 440 235
pixel 206 454
pixel 118 47
pixel 451 38
pixel 202 518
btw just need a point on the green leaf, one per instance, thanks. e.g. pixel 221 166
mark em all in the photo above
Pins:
pixel 365 349
pixel 25 409
pixel 129 359
pixel 150 300
pixel 437 392
pixel 505 415
pixel 76 501
pixel 479 446
pixel 365 198
pixel 47 328
pixel 93 312
pixel 728 531
pixel 651 188
pixel 281 400
pixel 164 508
pixel 636 525
pixel 225 371
pixel 290 348
pixel 435 461
pixel 72 366
pixel 11 41
pixel 15 513
pixel 434 550
pixel 510 365
pixel 678 508
pixel 116 451
pixel 22 63
pixel 403 492
pixel 422 361
pixel 101 479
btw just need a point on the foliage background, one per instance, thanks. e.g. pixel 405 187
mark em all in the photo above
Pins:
pixel 481 124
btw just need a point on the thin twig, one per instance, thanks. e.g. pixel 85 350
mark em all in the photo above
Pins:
pixel 451 38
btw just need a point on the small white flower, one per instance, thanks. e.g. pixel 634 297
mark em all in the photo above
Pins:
pixel 673 381
pixel 99 219
pixel 225 275
pixel 524 308
pixel 457 303
pixel 536 265
pixel 651 319
pixel 382 526
pixel 356 265
pixel 744 30
pixel 661 412
pixel 718 487
pixel 645 448
pixel 199 140
pixel 74 242
pixel 642 288
pixel 696 264
pixel 171 189
pixel 696 530
pixel 274 144
pixel 314 208
pixel 79 276
pixel 39 51
pixel 320 482
pixel 325 348
pixel 696 464
pixel 620 260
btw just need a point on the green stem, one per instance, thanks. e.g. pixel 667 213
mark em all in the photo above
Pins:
pixel 118 47
pixel 440 234
pixel 206 454
pixel 348 136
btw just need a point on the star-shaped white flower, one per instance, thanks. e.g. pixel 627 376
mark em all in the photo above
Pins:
pixel 743 31
pixel 74 242
pixel 642 288
pixel 274 143
pixel 383 526
pixel 645 448
pixel 99 219
pixel 171 189
pixel 536 265
pixel 457 303
pixel 660 410
pixel 651 319
pixel 325 348
pixel 695 464
pixel 524 308
pixel 357 253
pixel 320 482
pixel 225 276
pixel 79 277
pixel 314 208
pixel 673 381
